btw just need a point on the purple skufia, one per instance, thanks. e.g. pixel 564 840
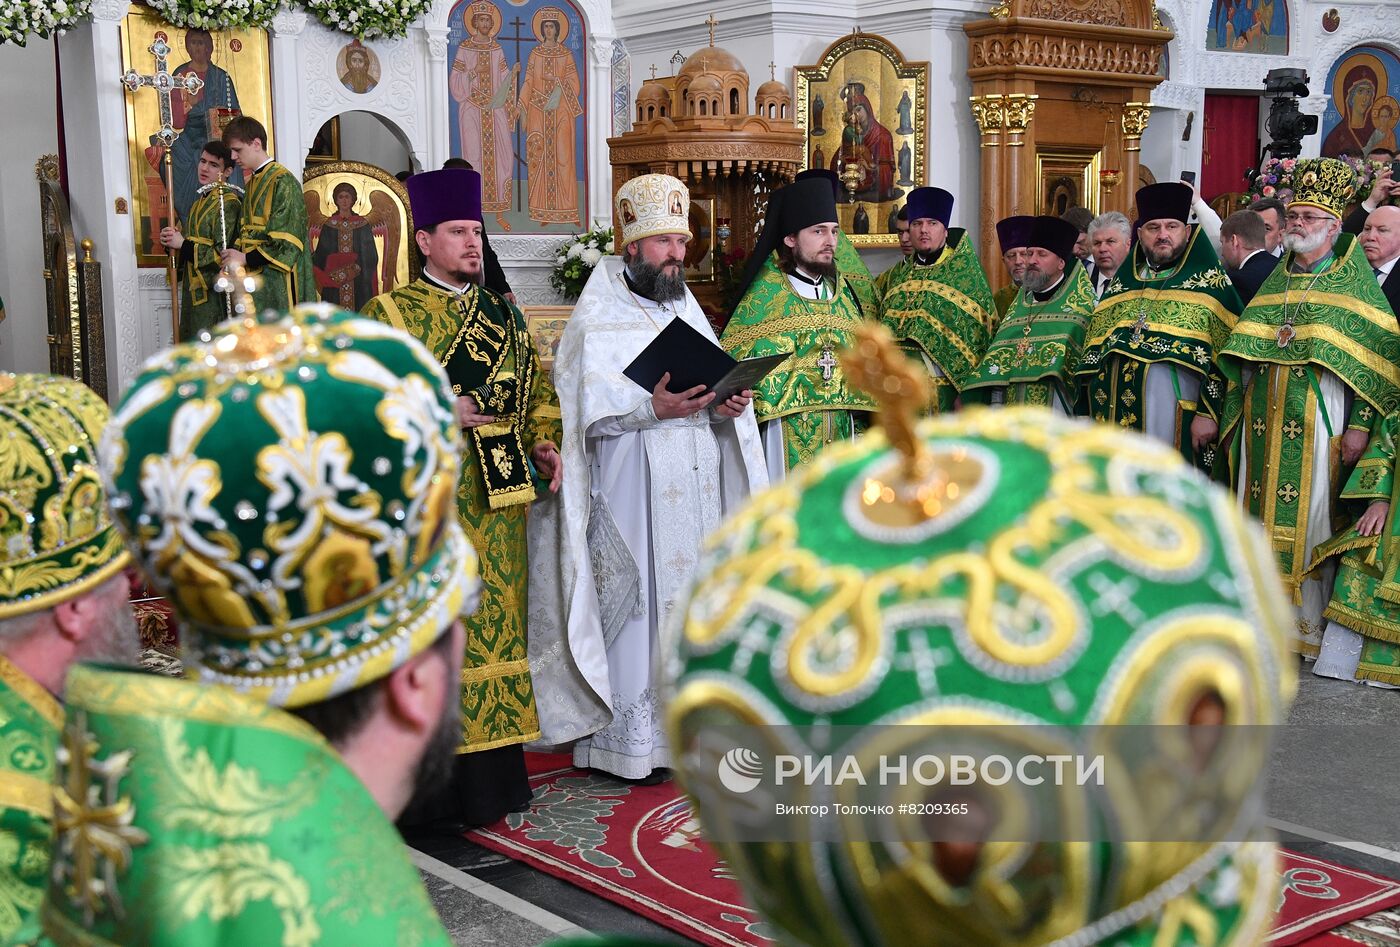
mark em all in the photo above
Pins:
pixel 448 194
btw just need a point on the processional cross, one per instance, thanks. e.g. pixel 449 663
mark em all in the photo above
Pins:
pixel 164 83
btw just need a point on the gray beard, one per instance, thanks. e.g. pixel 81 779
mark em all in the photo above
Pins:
pixel 655 283
pixel 1038 282
pixel 1305 244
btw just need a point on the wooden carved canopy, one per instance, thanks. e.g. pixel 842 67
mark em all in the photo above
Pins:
pixel 1060 93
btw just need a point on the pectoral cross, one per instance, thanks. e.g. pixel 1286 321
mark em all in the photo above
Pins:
pixel 164 84
pixel 1023 347
pixel 827 363
pixel 1141 325
pixel 712 23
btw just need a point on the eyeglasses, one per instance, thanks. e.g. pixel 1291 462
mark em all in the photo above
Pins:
pixel 1308 219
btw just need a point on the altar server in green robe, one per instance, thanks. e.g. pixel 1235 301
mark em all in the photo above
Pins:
pixel 273 240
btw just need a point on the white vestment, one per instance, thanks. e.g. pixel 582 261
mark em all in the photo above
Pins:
pixel 613 555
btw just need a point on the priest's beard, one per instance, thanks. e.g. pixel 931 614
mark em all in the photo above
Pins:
pixel 1305 244
pixel 1161 259
pixel 658 283
pixel 434 769
pixel 822 271
pixel 116 639
pixel 463 278
pixel 1038 282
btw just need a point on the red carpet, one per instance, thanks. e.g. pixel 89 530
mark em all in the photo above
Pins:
pixel 638 847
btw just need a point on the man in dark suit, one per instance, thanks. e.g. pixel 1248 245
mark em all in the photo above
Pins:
pixel 1247 262
pixel 495 276
pixel 1380 241
pixel 1381 191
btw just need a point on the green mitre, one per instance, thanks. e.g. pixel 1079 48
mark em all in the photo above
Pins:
pixel 1042 580
pixel 58 537
pixel 1344 325
pixel 194 816
pixel 290 486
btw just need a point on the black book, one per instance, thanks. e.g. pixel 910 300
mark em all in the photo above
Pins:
pixel 694 360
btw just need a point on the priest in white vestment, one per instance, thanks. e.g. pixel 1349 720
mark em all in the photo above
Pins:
pixel 648 474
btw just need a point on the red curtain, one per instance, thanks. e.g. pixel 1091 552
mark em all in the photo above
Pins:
pixel 1231 144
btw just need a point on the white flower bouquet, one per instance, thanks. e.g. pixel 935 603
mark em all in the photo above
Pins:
pixel 217 14
pixel 575 259
pixel 20 19
pixel 369 19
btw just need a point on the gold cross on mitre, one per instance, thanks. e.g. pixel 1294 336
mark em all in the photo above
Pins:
pixel 924 483
pixel 877 366
pixel 712 22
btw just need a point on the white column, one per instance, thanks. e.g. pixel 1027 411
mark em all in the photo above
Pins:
pixel 598 127
pixel 292 139
pixel 439 148
pixel 94 117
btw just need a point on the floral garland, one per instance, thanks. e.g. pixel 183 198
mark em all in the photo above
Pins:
pixel 369 19
pixel 1275 178
pixel 20 19
pixel 576 258
pixel 217 14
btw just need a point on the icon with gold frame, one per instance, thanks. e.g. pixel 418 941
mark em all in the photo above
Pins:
pixel 361 232
pixel 235 66
pixel 864 110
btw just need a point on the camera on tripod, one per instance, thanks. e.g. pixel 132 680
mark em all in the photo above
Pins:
pixel 1286 125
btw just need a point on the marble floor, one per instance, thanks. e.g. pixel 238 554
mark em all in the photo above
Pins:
pixel 1334 793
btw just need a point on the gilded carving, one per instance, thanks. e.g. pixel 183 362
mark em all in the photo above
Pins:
pixel 989 113
pixel 1020 109
pixel 1135 118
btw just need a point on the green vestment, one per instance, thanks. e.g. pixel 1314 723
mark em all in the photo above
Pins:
pixel 854 272
pixel 200 307
pixel 941 313
pixel 274 224
pixel 483 343
pixel 1176 321
pixel 1037 347
pixel 808 391
pixel 1298 325
pixel 189 815
pixel 1366 595
pixel 30 719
